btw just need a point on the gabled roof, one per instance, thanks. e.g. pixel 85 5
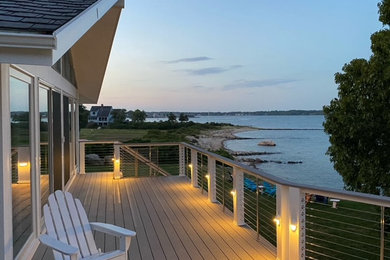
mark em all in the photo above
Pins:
pixel 39 16
pixel 40 32
pixel 102 111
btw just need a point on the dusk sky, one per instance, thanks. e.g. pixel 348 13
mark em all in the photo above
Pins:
pixel 249 55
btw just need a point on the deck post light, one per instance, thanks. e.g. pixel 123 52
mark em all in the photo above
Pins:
pixel 277 221
pixel 293 227
pixel 117 163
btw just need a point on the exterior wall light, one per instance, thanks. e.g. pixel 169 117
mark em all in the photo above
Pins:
pixel 233 193
pixel 207 176
pixel 23 164
pixel 277 221
pixel 293 227
pixel 190 165
pixel 117 160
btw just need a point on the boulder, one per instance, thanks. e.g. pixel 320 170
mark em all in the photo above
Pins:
pixel 267 143
pixel 93 159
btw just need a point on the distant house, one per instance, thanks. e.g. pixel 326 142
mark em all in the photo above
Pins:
pixel 101 115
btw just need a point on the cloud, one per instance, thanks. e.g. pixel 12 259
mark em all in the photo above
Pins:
pixel 257 83
pixel 211 70
pixel 192 59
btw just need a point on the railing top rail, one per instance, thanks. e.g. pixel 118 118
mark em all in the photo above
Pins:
pixel 330 192
pixel 148 144
pixel 98 142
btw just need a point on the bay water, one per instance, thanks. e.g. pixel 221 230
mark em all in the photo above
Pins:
pixel 297 138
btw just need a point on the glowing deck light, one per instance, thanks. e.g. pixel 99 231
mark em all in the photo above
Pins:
pixel 277 221
pixel 293 227
pixel 23 164
pixel 233 193
pixel 207 176
pixel 190 165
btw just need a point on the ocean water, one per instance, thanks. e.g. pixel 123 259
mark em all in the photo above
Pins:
pixel 297 138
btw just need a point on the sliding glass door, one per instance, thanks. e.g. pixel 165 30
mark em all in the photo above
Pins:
pixel 21 159
pixel 57 141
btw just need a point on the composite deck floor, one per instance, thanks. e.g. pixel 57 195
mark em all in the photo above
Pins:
pixel 172 219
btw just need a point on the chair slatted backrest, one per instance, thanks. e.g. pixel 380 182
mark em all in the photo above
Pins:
pixel 66 220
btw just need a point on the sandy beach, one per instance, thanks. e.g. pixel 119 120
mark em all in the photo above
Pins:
pixel 214 140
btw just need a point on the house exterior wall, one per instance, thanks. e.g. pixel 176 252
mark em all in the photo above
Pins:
pixel 38 78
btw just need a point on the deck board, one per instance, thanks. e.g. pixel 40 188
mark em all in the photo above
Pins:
pixel 172 219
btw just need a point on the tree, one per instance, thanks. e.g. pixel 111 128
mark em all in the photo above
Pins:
pixel 138 116
pixel 183 117
pixel 171 117
pixel 119 115
pixel 83 116
pixel 358 121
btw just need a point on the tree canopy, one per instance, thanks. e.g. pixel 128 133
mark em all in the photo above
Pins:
pixel 83 116
pixel 358 121
pixel 119 115
pixel 183 117
pixel 138 116
pixel 171 117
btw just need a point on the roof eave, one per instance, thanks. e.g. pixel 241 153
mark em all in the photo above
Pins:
pixel 43 49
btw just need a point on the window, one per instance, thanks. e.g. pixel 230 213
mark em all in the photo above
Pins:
pixel 64 66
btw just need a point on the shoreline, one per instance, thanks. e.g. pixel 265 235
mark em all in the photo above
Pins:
pixel 214 140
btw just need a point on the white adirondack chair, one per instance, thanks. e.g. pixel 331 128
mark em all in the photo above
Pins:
pixel 69 232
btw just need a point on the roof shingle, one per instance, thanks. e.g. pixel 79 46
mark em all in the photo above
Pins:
pixel 39 16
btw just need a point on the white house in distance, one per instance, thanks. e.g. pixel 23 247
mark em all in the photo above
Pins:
pixel 53 56
pixel 101 115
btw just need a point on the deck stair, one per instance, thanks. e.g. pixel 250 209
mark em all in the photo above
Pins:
pixel 138 156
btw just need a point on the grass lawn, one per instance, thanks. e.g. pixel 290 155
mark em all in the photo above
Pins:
pixel 122 135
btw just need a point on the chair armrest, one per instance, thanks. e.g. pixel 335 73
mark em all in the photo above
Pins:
pixel 112 229
pixel 58 245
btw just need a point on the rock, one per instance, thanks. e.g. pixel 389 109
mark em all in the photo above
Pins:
pixel 294 162
pixel 94 159
pixel 267 143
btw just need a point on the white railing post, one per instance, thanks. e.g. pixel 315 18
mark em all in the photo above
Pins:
pixel 194 168
pixel 182 166
pixel 117 162
pixel 238 196
pixel 82 158
pixel 211 180
pixel 290 215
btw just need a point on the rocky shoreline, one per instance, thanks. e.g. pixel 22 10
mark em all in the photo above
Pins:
pixel 214 140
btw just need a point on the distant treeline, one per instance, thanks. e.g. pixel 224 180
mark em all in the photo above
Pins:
pixel 240 113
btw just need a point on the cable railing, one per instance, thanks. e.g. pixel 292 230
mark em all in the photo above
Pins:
pixel 139 162
pixel 162 156
pixel 187 161
pixel 224 185
pixel 344 229
pixel 202 172
pixel 260 207
pixel 96 156
pixel 295 221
